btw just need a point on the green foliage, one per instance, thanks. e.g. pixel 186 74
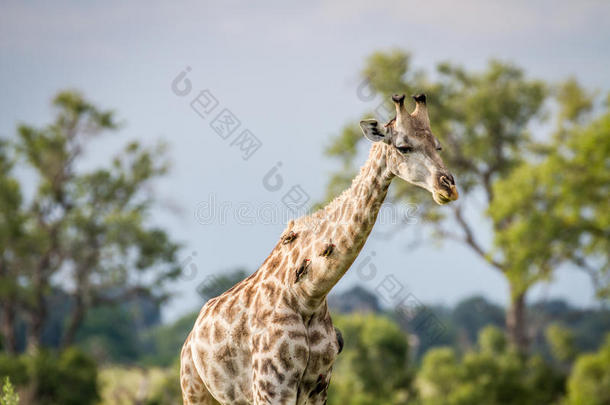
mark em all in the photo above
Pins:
pixel 562 342
pixel 8 395
pixel 67 378
pixel 574 102
pixel 472 314
pixel 560 212
pixel 590 329
pixel 462 324
pixel 92 224
pixel 492 341
pixel 372 369
pixel 167 391
pixel 152 386
pixel 493 374
pixel 589 383
pixel 438 376
pixel 429 326
pixel 14 367
pixel 109 333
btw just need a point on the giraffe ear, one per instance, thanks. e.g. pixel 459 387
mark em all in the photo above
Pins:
pixel 373 131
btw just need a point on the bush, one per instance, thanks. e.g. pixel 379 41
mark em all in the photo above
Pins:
pixel 151 386
pixel 589 383
pixel 67 378
pixel 167 391
pixel 15 368
pixel 495 374
pixel 109 334
pixel 372 369
pixel 8 395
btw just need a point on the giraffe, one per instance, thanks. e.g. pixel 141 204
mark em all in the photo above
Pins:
pixel 270 339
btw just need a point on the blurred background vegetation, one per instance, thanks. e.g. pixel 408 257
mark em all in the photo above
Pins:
pixel 83 274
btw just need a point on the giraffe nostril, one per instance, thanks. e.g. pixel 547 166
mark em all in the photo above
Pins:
pixel 446 180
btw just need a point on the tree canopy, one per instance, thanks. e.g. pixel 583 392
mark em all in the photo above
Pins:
pixel 63 225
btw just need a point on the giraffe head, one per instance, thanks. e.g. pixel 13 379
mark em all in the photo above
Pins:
pixel 414 150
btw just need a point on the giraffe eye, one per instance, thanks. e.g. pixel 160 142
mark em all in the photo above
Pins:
pixel 405 149
pixel 438 148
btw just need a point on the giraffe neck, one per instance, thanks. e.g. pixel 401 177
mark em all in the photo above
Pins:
pixel 346 223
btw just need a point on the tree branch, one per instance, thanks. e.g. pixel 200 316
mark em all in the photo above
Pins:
pixel 582 264
pixel 470 241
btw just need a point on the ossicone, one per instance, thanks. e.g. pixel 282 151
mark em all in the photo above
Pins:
pixel 398 98
pixel 419 98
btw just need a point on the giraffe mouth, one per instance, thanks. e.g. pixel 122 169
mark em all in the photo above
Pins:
pixel 442 197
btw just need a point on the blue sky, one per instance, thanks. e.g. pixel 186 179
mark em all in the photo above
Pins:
pixel 289 73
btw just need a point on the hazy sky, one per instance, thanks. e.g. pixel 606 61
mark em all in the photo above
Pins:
pixel 289 74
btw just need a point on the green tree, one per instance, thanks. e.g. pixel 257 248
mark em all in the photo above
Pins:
pixel 14 367
pixel 494 374
pixel 92 225
pixel 472 314
pixel 562 343
pixel 438 376
pixel 559 214
pixel 13 247
pixel 372 368
pixel 69 378
pixel 484 121
pixel 168 392
pixel 589 383
pixel 108 333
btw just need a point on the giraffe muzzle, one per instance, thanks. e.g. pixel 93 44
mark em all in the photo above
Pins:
pixel 446 191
